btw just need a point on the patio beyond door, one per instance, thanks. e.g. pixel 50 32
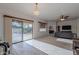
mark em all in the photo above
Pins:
pixel 21 31
pixel 27 31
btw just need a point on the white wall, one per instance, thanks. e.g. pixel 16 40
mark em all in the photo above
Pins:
pixel 36 32
pixel 71 22
pixel 77 28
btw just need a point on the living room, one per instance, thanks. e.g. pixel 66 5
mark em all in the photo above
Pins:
pixel 51 33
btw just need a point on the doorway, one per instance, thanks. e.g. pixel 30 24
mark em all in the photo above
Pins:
pixel 21 31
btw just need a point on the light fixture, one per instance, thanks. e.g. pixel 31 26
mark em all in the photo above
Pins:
pixel 36 9
pixel 62 19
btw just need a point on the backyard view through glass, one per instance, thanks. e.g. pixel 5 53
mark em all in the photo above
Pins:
pixel 27 31
pixel 21 31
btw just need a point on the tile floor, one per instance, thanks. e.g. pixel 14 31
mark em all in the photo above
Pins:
pixel 43 46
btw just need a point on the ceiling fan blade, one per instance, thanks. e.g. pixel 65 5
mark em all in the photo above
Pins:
pixel 66 17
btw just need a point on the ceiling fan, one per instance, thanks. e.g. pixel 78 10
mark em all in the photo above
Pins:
pixel 63 17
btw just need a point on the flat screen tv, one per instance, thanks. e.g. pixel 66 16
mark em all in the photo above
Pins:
pixel 66 27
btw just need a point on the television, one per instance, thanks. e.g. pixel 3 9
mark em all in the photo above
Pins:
pixel 66 27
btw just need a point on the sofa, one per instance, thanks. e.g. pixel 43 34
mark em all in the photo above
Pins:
pixel 64 34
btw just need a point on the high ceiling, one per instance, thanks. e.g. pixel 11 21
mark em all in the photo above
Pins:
pixel 48 11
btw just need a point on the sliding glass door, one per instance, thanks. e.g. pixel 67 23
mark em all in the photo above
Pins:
pixel 21 31
pixel 16 31
pixel 27 31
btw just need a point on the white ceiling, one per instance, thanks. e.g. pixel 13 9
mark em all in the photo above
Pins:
pixel 48 11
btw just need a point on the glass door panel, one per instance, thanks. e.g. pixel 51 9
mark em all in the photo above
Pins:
pixel 16 31
pixel 27 31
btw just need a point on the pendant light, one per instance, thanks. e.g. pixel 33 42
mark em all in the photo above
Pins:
pixel 36 9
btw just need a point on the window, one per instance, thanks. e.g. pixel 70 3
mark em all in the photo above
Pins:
pixel 42 26
pixel 42 29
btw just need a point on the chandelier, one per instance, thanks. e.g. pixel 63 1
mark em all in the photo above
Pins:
pixel 36 9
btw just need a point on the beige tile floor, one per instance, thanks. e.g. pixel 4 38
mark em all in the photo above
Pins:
pixel 43 46
pixel 59 42
pixel 25 49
